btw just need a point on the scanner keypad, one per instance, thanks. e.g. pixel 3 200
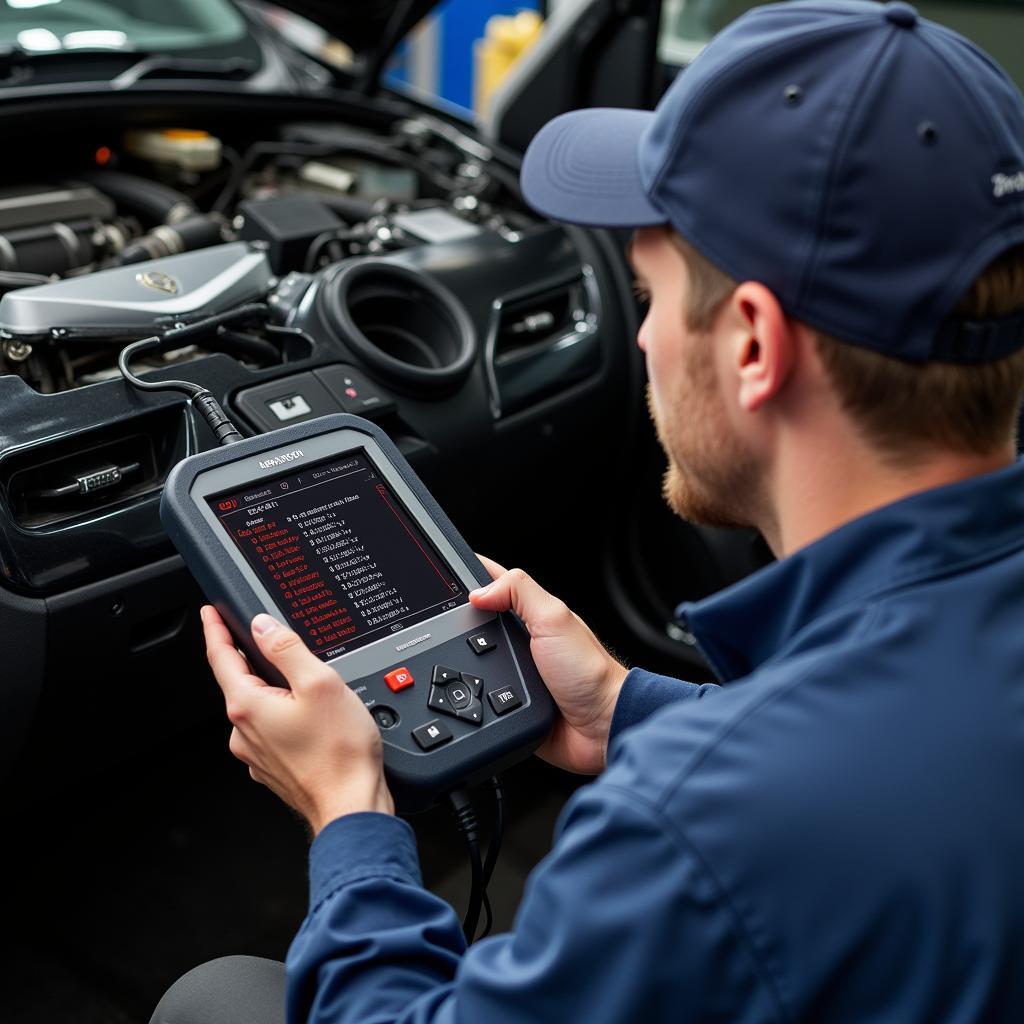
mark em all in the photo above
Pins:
pixel 450 695
pixel 457 694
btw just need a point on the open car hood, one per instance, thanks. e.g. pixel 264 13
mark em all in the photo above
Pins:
pixel 372 28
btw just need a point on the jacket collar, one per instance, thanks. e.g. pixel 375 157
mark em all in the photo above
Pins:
pixel 927 534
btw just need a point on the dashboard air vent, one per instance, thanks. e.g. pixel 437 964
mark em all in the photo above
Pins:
pixel 542 342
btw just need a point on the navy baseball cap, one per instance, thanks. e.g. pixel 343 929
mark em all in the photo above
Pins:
pixel 862 162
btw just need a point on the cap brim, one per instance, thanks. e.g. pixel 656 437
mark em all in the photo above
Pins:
pixel 584 168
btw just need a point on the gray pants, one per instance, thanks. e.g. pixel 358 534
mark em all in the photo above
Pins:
pixel 231 990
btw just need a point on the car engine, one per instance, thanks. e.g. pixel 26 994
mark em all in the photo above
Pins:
pixel 174 225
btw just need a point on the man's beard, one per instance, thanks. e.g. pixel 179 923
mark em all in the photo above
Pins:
pixel 711 480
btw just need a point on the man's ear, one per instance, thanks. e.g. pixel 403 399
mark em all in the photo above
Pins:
pixel 763 346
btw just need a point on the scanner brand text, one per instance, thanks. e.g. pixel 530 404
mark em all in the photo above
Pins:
pixel 281 460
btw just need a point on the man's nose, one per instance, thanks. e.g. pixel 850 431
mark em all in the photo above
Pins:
pixel 641 335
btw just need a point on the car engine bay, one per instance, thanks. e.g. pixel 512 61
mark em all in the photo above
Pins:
pixel 313 197
pixel 391 275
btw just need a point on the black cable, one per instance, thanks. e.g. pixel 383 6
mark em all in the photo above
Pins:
pixel 488 917
pixel 201 399
pixel 465 818
pixel 494 847
pixel 493 850
pixel 181 331
pixel 148 345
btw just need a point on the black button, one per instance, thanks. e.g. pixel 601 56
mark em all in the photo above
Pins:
pixel 472 713
pixel 384 716
pixel 457 700
pixel 475 683
pixel 480 643
pixel 459 695
pixel 445 675
pixel 504 700
pixel 431 735
pixel 901 14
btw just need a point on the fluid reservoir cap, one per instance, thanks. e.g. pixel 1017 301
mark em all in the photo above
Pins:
pixel 187 148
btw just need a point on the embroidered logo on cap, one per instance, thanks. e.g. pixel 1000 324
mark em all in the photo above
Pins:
pixel 1007 184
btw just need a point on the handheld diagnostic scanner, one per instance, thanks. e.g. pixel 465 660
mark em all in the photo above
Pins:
pixel 326 526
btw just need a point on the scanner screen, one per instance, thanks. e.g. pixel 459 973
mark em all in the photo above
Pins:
pixel 344 560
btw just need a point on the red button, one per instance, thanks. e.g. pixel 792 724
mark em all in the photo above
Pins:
pixel 398 679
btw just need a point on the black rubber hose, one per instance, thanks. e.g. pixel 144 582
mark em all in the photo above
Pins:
pixel 194 232
pixel 11 279
pixel 242 345
pixel 153 202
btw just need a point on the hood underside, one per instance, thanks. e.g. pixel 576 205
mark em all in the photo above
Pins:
pixel 366 26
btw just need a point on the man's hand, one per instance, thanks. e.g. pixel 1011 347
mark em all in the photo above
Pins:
pixel 314 745
pixel 582 676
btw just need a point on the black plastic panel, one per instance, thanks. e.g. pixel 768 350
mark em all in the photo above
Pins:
pixel 103 671
pixel 280 403
pixel 22 643
pixel 440 433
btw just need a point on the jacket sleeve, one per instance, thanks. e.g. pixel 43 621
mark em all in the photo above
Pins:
pixel 644 692
pixel 621 922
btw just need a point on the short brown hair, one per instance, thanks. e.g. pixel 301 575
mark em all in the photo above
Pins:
pixel 708 288
pixel 906 410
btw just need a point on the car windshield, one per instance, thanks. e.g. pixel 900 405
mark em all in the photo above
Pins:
pixel 48 26
pixel 995 25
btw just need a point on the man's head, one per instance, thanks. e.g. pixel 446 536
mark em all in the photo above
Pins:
pixel 728 367
pixel 845 174
pixel 712 473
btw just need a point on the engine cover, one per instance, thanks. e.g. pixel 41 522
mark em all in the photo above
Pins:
pixel 135 300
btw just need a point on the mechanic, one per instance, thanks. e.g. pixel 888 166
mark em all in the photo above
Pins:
pixel 829 218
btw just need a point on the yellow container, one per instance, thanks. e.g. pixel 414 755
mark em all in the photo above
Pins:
pixel 505 40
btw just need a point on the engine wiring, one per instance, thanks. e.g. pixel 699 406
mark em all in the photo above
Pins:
pixel 201 399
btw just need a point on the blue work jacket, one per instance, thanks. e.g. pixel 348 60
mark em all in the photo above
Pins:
pixel 836 836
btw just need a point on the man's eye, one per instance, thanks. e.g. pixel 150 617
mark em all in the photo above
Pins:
pixel 643 295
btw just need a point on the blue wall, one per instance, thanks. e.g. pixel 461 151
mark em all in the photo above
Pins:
pixel 461 23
